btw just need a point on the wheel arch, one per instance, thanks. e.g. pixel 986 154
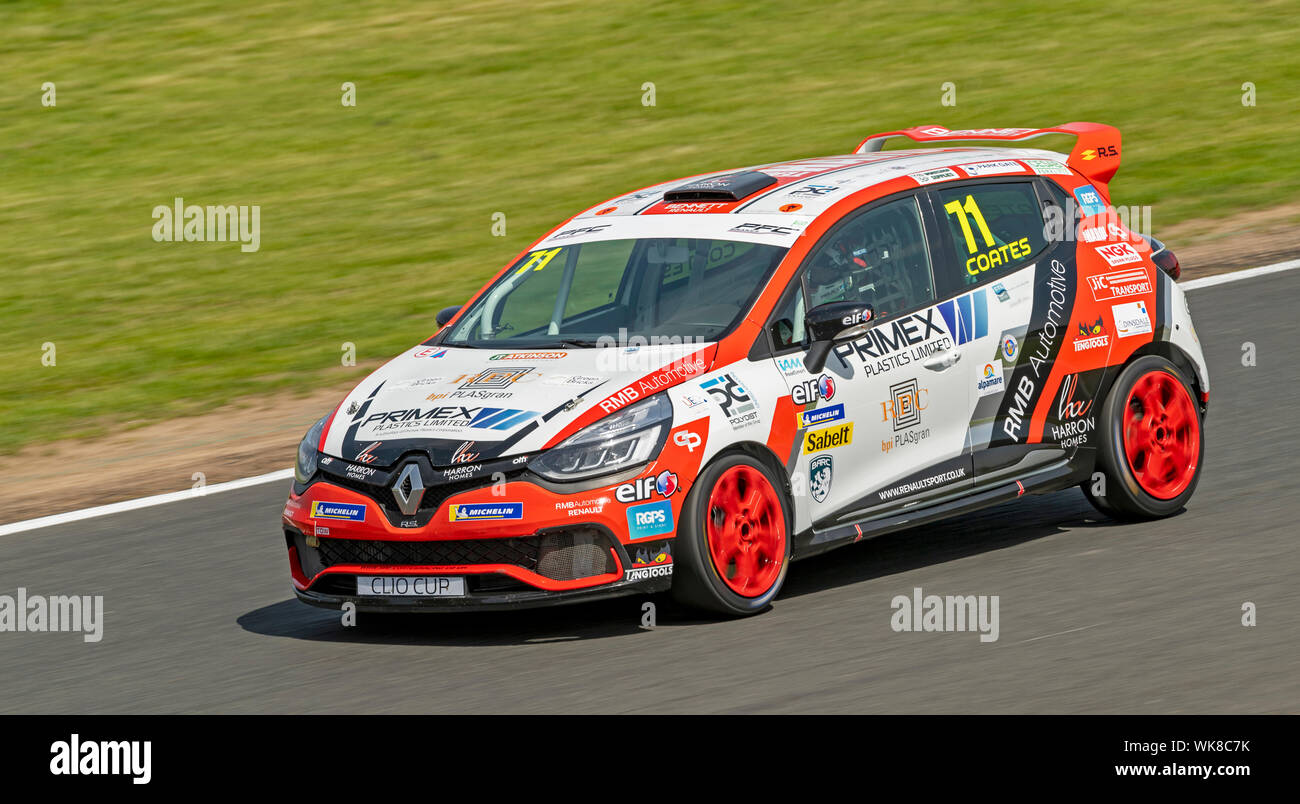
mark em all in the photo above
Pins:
pixel 1174 354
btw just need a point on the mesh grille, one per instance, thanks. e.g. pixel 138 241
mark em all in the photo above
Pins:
pixel 562 555
pixel 519 552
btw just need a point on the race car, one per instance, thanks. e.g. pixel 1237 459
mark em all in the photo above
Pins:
pixel 688 387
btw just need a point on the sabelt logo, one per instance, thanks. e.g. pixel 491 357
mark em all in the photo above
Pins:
pixel 1119 284
pixel 830 438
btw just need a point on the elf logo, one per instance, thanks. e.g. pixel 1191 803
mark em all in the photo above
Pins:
pixel 643 488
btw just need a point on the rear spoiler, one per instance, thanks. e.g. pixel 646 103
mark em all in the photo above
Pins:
pixel 1095 154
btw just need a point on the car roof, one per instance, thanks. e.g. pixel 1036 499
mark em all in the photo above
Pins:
pixel 818 182
pixel 796 193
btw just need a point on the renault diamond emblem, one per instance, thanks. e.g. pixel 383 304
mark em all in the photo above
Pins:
pixel 409 489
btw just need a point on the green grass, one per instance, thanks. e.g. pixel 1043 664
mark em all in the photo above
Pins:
pixel 375 217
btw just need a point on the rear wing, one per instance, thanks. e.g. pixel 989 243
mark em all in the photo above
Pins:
pixel 1095 154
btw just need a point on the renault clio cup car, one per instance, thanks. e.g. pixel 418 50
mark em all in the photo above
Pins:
pixel 690 386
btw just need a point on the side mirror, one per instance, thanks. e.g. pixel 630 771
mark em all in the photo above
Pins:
pixel 829 324
pixel 446 314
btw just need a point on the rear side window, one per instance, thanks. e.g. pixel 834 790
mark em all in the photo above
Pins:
pixel 995 228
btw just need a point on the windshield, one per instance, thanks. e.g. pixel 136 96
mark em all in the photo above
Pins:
pixel 579 294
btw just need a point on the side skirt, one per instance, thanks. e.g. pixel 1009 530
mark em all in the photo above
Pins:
pixel 1060 474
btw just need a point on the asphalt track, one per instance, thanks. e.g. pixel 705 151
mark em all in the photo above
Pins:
pixel 1095 616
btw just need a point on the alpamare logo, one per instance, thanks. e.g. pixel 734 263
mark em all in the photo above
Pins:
pixel 56 613
pixel 967 317
pixel 211 224
pixel 75 757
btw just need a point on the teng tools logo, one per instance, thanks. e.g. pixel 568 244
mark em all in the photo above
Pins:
pixel 1119 284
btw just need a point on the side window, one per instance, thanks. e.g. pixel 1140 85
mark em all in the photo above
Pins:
pixel 878 257
pixel 995 228
pixel 786 328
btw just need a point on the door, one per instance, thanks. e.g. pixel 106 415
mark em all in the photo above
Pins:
pixel 885 419
pixel 994 259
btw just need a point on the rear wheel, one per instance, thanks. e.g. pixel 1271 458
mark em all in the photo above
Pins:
pixel 733 544
pixel 1151 442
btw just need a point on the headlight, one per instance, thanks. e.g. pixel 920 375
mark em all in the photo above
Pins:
pixel 307 455
pixel 618 441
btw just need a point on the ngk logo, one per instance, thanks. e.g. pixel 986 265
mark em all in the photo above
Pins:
pixel 1118 253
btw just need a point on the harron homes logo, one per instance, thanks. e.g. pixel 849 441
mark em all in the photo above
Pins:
pixel 1119 284
pixel 1072 413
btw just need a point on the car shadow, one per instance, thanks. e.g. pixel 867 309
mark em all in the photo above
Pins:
pixel 996 528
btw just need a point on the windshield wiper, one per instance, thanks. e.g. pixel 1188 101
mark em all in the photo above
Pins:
pixel 579 342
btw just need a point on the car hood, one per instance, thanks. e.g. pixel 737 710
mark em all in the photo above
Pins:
pixel 460 405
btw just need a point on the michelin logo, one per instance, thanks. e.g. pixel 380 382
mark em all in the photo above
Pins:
pixel 478 512
pixel 333 510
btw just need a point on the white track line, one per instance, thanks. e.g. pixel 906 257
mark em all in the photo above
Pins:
pixel 1234 276
pixel 285 474
pixel 143 502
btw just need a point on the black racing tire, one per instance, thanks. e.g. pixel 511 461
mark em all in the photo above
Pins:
pixel 1150 460
pixel 742 569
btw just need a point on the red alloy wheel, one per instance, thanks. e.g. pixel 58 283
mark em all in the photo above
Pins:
pixel 1162 435
pixel 745 527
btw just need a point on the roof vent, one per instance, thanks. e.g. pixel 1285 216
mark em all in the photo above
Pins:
pixel 731 187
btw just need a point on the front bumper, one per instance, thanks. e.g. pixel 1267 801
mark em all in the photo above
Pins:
pixel 555 549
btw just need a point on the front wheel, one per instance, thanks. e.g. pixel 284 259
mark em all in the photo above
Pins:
pixel 1151 444
pixel 733 544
